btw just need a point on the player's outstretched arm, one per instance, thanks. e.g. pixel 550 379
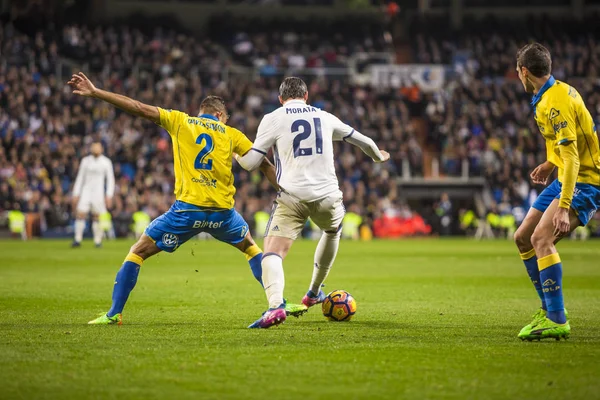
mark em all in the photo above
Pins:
pixel 368 146
pixel 345 132
pixel 84 87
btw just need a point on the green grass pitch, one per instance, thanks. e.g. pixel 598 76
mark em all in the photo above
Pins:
pixel 436 319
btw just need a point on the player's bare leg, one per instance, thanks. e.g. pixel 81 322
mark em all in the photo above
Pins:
pixel 555 324
pixel 276 248
pixel 126 279
pixel 543 238
pixel 523 235
pixel 79 228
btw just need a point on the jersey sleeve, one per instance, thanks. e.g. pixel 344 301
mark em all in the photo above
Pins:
pixel 341 131
pixel 78 187
pixel 266 135
pixel 562 117
pixel 110 179
pixel 241 144
pixel 170 119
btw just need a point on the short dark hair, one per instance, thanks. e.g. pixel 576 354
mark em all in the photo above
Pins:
pixel 536 58
pixel 292 88
pixel 212 105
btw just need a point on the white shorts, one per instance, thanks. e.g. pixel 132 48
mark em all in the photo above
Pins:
pixel 289 215
pixel 94 203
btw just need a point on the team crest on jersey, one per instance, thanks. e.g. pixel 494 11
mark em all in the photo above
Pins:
pixel 553 113
pixel 170 239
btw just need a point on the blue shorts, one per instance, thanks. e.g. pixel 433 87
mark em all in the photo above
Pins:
pixel 184 221
pixel 586 199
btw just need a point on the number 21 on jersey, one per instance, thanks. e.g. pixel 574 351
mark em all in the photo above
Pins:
pixel 303 129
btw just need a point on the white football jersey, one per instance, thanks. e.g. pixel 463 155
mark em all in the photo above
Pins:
pixel 92 175
pixel 302 140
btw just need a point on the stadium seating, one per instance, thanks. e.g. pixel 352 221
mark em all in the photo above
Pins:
pixel 482 116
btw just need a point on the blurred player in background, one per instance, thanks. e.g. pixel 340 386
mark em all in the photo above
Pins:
pixel 93 191
pixel 302 138
pixel 568 202
pixel 202 152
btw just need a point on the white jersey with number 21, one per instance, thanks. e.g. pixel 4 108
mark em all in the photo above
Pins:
pixel 302 140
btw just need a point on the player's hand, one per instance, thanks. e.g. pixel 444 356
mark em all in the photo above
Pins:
pixel 109 202
pixel 386 156
pixel 541 173
pixel 82 85
pixel 561 221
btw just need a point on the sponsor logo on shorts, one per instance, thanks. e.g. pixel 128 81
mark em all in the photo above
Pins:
pixel 244 230
pixel 591 214
pixel 204 181
pixel 170 239
pixel 207 224
pixel 275 228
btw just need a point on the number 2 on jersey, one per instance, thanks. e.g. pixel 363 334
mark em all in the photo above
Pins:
pixel 201 162
pixel 303 129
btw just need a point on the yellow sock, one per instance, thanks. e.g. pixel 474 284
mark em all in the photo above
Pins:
pixel 134 258
pixel 252 252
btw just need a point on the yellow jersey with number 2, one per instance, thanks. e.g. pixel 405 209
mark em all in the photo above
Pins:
pixel 202 153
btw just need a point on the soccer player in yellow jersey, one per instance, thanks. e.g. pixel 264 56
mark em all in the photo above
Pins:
pixel 203 148
pixel 569 201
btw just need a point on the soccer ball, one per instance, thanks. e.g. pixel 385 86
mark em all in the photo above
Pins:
pixel 339 305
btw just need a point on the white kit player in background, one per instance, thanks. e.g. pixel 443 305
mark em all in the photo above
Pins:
pixel 93 191
pixel 301 137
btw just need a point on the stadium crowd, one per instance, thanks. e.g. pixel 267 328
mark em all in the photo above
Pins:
pixel 482 115
pixel 45 130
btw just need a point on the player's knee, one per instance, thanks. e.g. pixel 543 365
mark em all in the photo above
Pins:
pixel 541 239
pixel 521 238
pixel 144 248
pixel 333 234
pixel 277 246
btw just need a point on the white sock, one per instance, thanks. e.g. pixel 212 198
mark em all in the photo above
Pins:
pixel 273 279
pixel 97 230
pixel 324 258
pixel 79 228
